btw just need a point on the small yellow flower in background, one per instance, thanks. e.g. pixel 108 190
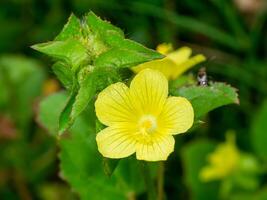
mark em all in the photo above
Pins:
pixel 164 48
pixel 141 119
pixel 222 162
pixel 174 64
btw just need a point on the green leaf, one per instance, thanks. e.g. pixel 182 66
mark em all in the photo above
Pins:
pixel 70 51
pixel 204 99
pixel 86 91
pixel 64 74
pixel 258 132
pixel 65 121
pixel 180 82
pixel 124 53
pixel 71 29
pixel 120 58
pixel 49 111
pixel 114 41
pixel 194 157
pixel 101 27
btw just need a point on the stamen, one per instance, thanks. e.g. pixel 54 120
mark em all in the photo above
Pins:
pixel 148 124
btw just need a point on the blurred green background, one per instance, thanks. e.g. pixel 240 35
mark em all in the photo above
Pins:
pixel 231 33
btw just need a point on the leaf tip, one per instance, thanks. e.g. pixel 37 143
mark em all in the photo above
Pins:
pixel 34 46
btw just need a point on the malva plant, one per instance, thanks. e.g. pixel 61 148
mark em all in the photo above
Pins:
pixel 108 113
pixel 141 118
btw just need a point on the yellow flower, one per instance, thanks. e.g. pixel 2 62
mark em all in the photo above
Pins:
pixel 164 48
pixel 222 162
pixel 174 64
pixel 141 118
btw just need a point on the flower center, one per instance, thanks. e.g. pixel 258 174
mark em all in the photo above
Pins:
pixel 148 124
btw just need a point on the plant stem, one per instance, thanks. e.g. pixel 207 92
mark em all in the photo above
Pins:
pixel 151 191
pixel 161 181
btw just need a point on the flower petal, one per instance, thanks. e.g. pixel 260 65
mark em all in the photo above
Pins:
pixel 180 55
pixel 177 116
pixel 114 142
pixel 164 48
pixel 158 148
pixel 149 89
pixel 114 105
pixel 182 67
pixel 165 66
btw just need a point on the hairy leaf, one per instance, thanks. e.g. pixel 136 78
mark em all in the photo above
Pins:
pixel 124 53
pixel 126 58
pixel 86 91
pixel 71 29
pixel 101 27
pixel 205 99
pixel 65 121
pixel 64 74
pixel 69 51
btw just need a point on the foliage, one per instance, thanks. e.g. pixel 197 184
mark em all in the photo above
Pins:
pixel 92 51
pixel 231 36
pixel 95 66
pixel 212 96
